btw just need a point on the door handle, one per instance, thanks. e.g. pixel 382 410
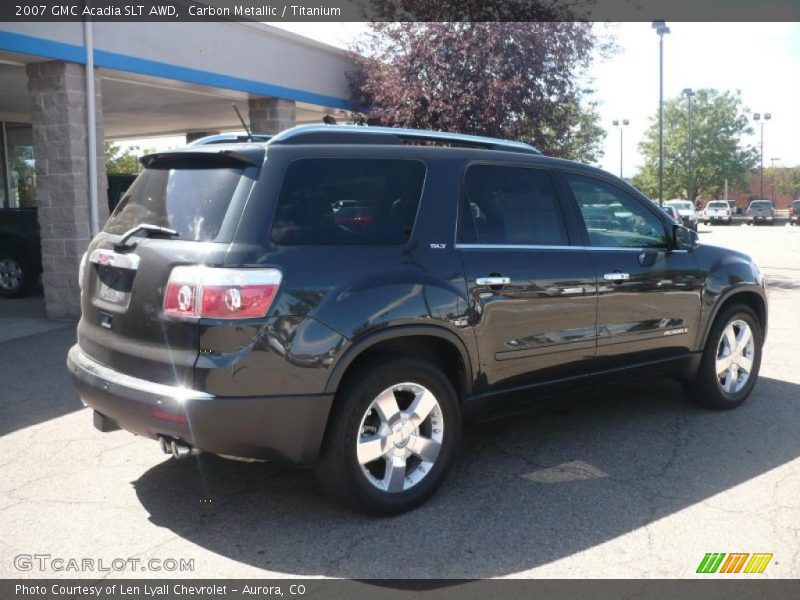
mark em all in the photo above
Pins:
pixel 493 280
pixel 616 276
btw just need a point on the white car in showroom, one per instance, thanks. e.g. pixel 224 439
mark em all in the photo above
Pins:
pixel 686 212
pixel 717 211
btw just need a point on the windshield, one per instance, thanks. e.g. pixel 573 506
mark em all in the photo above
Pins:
pixel 191 201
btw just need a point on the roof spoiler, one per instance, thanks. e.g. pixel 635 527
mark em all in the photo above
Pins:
pixel 205 158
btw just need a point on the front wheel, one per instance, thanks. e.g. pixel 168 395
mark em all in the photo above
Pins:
pixel 731 360
pixel 392 436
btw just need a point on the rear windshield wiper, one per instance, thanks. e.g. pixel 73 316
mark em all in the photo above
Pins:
pixel 148 230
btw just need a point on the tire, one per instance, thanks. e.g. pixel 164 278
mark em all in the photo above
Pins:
pixel 17 276
pixel 358 416
pixel 725 391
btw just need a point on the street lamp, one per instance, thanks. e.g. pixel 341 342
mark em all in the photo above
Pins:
pixel 689 93
pixel 661 29
pixel 757 117
pixel 621 124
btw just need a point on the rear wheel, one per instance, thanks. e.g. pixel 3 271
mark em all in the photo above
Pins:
pixel 392 436
pixel 731 360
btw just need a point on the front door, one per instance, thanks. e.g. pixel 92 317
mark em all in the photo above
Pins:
pixel 532 293
pixel 648 302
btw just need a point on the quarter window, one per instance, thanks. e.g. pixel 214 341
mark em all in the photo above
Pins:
pixel 614 218
pixel 510 206
pixel 343 201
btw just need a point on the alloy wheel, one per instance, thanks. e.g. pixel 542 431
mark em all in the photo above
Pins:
pixel 400 437
pixel 735 355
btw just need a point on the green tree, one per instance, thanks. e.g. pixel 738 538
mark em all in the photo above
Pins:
pixel 521 81
pixel 789 182
pixel 122 161
pixel 719 122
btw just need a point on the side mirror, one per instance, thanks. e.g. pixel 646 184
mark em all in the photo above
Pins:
pixel 684 238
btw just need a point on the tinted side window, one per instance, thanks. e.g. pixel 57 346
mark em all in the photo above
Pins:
pixel 343 201
pixel 510 205
pixel 614 218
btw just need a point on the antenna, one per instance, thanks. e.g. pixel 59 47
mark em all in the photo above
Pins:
pixel 241 120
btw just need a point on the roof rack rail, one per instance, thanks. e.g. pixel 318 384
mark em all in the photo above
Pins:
pixel 361 134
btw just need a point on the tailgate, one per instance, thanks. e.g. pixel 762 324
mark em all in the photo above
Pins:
pixel 198 195
pixel 122 324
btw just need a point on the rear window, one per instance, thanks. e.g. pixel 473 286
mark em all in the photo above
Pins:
pixel 191 201
pixel 761 204
pixel 682 205
pixel 718 205
pixel 343 201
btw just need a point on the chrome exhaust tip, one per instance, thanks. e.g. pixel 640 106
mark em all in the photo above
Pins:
pixel 174 447
pixel 179 450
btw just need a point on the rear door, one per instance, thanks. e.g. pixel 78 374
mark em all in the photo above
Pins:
pixel 648 302
pixel 532 292
pixel 200 195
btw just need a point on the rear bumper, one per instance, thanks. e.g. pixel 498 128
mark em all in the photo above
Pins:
pixel 287 428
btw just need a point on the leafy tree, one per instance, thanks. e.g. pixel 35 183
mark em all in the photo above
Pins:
pixel 517 81
pixel 119 161
pixel 789 182
pixel 719 121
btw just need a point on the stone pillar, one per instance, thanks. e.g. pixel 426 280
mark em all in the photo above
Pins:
pixel 271 115
pixel 60 145
pixel 196 135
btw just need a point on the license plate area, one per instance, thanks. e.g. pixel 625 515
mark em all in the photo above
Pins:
pixel 112 287
pixel 112 279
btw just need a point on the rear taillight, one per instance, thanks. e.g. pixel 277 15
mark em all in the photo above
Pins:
pixel 217 293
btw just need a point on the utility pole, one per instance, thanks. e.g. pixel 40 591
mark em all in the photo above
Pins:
pixel 757 117
pixel 689 93
pixel 620 124
pixel 661 29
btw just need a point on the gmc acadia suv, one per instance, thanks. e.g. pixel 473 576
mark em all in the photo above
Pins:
pixel 346 297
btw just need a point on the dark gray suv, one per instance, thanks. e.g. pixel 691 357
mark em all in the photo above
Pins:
pixel 346 297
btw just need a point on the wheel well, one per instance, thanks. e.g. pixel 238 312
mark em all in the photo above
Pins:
pixel 426 347
pixel 750 299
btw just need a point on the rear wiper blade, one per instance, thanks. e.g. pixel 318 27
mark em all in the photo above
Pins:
pixel 148 230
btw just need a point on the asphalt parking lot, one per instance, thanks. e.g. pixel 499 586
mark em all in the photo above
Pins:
pixel 620 482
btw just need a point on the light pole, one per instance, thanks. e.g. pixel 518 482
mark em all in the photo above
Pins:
pixel 620 124
pixel 689 93
pixel 757 117
pixel 661 29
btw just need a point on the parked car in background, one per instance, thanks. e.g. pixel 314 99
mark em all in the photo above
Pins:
pixel 672 212
pixel 761 211
pixel 20 252
pixel 686 211
pixel 118 184
pixel 717 211
pixel 794 212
